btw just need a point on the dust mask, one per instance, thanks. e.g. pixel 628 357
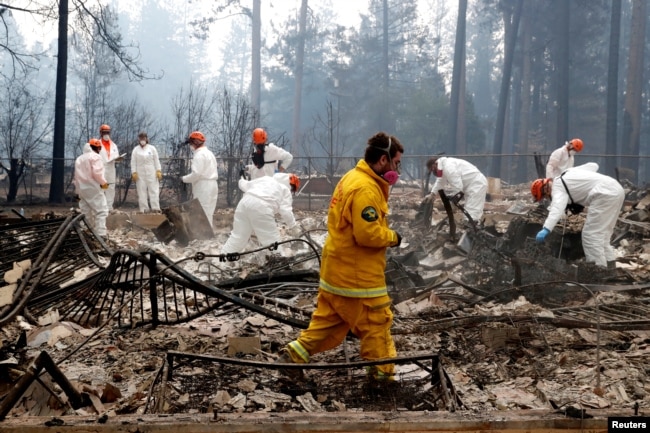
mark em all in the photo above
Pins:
pixel 391 177
pixel 106 137
pixel 143 143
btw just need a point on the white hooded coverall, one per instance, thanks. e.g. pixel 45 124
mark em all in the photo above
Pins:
pixel 203 178
pixel 560 160
pixel 145 162
pixel 273 155
pixel 603 195
pixel 88 176
pixel 460 175
pixel 263 198
pixel 109 170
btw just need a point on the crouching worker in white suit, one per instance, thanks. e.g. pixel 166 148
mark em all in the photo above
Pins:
pixel 90 184
pixel 455 175
pixel 263 198
pixel 584 186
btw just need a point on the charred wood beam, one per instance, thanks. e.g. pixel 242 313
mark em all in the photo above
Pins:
pixel 42 361
pixel 469 287
pixel 21 216
pixel 560 322
pixel 450 215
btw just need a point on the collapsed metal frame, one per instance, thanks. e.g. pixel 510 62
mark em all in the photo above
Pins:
pixel 148 288
pixel 136 287
pixel 140 288
pixel 56 248
pixel 442 388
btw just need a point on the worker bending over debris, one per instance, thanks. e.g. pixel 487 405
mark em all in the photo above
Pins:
pixel 352 294
pixel 562 158
pixel 455 175
pixel 203 176
pixel 267 157
pixel 263 198
pixel 90 184
pixel 578 187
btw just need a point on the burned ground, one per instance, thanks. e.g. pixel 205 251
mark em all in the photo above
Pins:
pixel 505 323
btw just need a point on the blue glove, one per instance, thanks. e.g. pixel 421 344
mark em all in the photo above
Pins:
pixel 542 235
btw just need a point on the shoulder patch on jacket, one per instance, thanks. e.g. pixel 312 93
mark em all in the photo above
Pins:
pixel 369 214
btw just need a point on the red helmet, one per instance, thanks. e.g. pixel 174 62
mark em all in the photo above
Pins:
pixel 577 144
pixel 294 181
pixel 94 142
pixel 197 136
pixel 537 188
pixel 259 136
pixel 104 128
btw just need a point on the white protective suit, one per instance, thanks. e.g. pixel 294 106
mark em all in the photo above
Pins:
pixel 88 176
pixel 145 162
pixel 203 178
pixel 603 195
pixel 273 155
pixel 459 175
pixel 109 170
pixel 263 198
pixel 560 160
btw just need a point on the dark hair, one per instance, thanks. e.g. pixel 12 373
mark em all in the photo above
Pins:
pixel 378 145
pixel 431 162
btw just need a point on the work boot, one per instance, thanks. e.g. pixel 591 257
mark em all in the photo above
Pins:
pixel 294 374
pixel 379 384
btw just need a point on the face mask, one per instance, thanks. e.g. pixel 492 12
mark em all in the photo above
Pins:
pixel 391 177
pixel 572 152
pixel 438 172
pixel 143 143
pixel 106 137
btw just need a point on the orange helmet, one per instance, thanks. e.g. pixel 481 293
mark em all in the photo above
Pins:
pixel 197 136
pixel 259 136
pixel 577 144
pixel 294 181
pixel 104 128
pixel 537 188
pixel 94 142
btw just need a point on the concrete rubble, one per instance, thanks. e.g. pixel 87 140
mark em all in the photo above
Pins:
pixel 506 342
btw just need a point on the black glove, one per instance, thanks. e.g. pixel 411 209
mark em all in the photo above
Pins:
pixel 242 172
pixel 399 240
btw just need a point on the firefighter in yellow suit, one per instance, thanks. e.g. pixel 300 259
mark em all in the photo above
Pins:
pixel 352 294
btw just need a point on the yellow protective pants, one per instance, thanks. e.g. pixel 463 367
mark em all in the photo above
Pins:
pixel 369 319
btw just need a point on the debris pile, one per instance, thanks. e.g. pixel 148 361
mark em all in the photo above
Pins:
pixel 509 324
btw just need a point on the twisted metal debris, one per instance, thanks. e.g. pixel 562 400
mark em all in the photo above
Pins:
pixel 136 288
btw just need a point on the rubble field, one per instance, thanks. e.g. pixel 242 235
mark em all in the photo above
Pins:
pixel 486 320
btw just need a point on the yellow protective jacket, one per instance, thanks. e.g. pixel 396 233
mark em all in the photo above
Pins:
pixel 354 255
